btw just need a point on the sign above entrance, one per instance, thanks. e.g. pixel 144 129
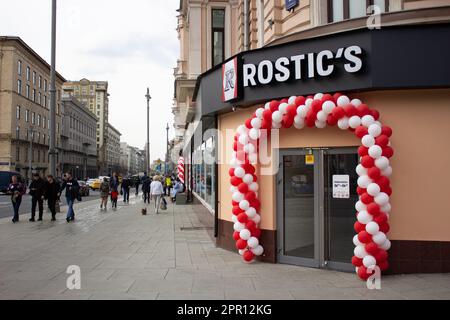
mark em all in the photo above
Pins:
pixel 309 159
pixel 230 85
pixel 341 186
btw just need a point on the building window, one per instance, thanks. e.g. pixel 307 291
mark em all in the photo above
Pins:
pixel 45 85
pixel 339 10
pixel 218 36
pixel 19 67
pixel 18 112
pixel 40 82
pixel 27 91
pixel 39 120
pixel 43 123
pixel 28 73
pixel 33 118
pixel 27 115
pixel 45 101
pixel 17 153
pixel 19 86
pixel 39 98
pixel 34 78
pixel 34 95
pixel 17 132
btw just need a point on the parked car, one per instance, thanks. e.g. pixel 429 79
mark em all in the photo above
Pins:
pixel 84 189
pixel 5 179
pixel 89 182
pixel 95 185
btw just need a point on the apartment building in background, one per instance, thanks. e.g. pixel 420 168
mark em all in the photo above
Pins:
pixel 132 159
pixel 78 153
pixel 112 150
pixel 292 48
pixel 94 94
pixel 25 108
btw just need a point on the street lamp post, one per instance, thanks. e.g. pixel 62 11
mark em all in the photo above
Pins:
pixel 52 149
pixel 147 164
pixel 167 149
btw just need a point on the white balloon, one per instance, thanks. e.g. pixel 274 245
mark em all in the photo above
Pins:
pixel 356 102
pixel 360 206
pixel 243 139
pixel 364 181
pixel 256 219
pixel 241 252
pixel 239 172
pixel 259 250
pixel 379 238
pixel 238 226
pixel 360 252
pixel 364 217
pixel 253 242
pixel 299 123
pixel 360 170
pixel 369 261
pixel 320 124
pixel 245 234
pixel 367 120
pixel 254 134
pixel 328 106
pixel 253 158
pixel 234 218
pixel 282 108
pixel 387 172
pixel 318 96
pixel 354 122
pixel 301 111
pixel 386 245
pixel 381 199
pixel 372 228
pixel 237 196
pixel 378 123
pixel 386 208
pixel 343 101
pixel 374 130
pixel 256 123
pixel 356 241
pixel 375 151
pixel 249 148
pixel 253 186
pixel 267 106
pixel 277 116
pixel 244 205
pixel 368 141
pixel 248 178
pixel 382 163
pixel 251 212
pixel 233 189
pixel 343 123
pixel 373 189
pixel 291 100
pixel 322 116
pixel 259 113
pixel 242 130
pixel 308 102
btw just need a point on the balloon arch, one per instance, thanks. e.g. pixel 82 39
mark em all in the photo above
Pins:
pixel 374 170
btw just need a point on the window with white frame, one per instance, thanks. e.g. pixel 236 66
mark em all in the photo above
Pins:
pixel 339 10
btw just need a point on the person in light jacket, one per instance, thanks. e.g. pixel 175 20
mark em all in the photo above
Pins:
pixel 156 192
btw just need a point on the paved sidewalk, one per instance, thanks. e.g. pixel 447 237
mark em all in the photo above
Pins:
pixel 124 255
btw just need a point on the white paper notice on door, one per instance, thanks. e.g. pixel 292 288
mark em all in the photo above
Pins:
pixel 341 186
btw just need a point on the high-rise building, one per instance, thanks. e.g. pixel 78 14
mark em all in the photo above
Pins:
pixel 25 108
pixel 94 94
pixel 112 150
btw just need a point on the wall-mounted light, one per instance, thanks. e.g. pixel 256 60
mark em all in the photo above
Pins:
pixel 271 23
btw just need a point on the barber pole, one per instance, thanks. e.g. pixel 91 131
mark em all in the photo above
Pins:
pixel 181 169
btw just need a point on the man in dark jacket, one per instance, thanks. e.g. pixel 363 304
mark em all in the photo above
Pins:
pixel 52 194
pixel 72 188
pixel 126 184
pixel 37 192
pixel 146 188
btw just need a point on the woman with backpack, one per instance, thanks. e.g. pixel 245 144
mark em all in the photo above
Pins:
pixel 104 193
pixel 16 189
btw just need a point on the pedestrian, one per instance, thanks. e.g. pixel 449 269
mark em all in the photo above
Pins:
pixel 156 191
pixel 104 193
pixel 72 189
pixel 177 188
pixel 37 192
pixel 126 184
pixel 114 187
pixel 146 188
pixel 52 194
pixel 16 189
pixel 168 184
pixel 137 182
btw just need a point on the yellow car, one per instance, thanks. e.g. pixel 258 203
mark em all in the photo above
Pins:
pixel 95 185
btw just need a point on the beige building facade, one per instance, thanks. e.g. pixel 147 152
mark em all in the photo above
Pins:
pixel 25 108
pixel 112 150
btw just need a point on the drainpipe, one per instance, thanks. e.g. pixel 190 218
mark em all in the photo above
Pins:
pixel 246 26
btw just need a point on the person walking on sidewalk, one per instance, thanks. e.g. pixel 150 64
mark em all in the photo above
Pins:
pixel 126 184
pixel 37 192
pixel 168 184
pixel 146 188
pixel 16 189
pixel 156 191
pixel 72 188
pixel 104 193
pixel 137 182
pixel 52 194
pixel 114 187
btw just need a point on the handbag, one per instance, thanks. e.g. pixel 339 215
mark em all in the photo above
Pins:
pixel 163 205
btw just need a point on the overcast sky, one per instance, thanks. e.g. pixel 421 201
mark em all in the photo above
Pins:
pixel 132 44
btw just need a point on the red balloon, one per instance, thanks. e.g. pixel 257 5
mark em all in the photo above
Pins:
pixel 366 198
pixel 250 196
pixel 364 237
pixel 255 204
pixel 374 173
pixel 267 115
pixel 235 181
pixel 248 256
pixel 237 210
pixel 338 112
pixel 381 218
pixel 287 121
pixel 250 225
pixel 357 262
pixel 236 236
pixel 350 110
pixel 242 217
pixel 359 227
pixel 234 203
pixel 310 121
pixel 380 256
pixel 362 110
pixel 291 110
pixel 316 106
pixel 382 140
pixel 363 151
pixel 387 190
pixel 367 162
pixel 256 233
pixel 375 114
pixel 384 227
pixel 373 209
pixel 241 244
pixel 249 168
pixel 255 178
pixel 383 182
pixel 266 124
pixel 248 123
pixel 336 96
pixel 383 265
pixel 362 273
pixel 331 120
pixel 235 146
pixel 231 172
pixel 274 105
pixel 243 188
pixel 300 100
pixel 327 97
pixel 388 152
pixel 360 190
pixel 284 101
pixel 387 131
pixel 371 248
pixel 361 131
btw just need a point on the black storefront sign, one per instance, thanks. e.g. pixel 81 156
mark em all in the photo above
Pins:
pixel 402 57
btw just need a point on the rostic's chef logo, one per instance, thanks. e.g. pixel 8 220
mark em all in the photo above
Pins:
pixel 230 80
